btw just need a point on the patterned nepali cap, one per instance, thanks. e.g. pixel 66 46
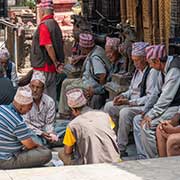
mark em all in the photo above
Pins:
pixel 46 4
pixel 86 40
pixel 4 53
pixel 138 48
pixel 76 98
pixel 23 95
pixel 156 52
pixel 113 42
pixel 38 75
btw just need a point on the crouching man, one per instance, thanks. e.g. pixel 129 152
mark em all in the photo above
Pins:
pixel 17 149
pixel 91 134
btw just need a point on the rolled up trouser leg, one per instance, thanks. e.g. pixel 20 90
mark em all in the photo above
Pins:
pixel 126 116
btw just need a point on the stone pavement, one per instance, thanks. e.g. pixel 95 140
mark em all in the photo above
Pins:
pixel 153 169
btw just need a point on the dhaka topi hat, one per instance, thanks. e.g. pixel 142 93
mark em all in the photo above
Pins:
pixel 46 4
pixel 112 42
pixel 76 98
pixel 23 95
pixel 86 40
pixel 4 53
pixel 138 48
pixel 156 52
pixel 38 75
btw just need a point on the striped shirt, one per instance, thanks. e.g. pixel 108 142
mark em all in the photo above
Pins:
pixel 42 118
pixel 12 131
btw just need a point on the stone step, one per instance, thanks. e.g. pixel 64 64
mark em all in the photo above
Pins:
pixel 157 169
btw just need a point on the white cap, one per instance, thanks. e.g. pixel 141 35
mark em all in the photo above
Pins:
pixel 38 75
pixel 76 98
pixel 23 95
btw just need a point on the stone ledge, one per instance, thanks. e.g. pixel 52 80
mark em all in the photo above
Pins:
pixel 157 169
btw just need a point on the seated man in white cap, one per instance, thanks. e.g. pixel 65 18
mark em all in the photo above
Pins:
pixel 41 118
pixel 9 66
pixel 17 149
pixel 130 103
pixel 90 133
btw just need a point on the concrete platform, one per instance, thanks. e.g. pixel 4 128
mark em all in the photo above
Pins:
pixel 154 169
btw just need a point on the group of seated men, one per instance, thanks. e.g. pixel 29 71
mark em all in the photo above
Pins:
pixel 150 108
pixel 151 100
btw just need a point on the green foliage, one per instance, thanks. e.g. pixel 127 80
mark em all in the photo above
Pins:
pixel 30 3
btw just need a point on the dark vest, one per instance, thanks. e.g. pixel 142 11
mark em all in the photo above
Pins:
pixel 9 69
pixel 7 91
pixel 39 55
pixel 143 82
pixel 175 64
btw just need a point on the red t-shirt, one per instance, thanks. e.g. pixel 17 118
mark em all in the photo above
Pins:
pixel 45 39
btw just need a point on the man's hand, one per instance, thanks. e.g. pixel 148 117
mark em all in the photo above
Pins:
pixel 59 67
pixel 146 120
pixel 131 104
pixel 29 144
pixel 46 136
pixel 120 100
pixel 175 120
pixel 115 100
pixel 74 60
pixel 163 133
pixel 168 128
pixel 54 137
pixel 51 137
pixel 89 92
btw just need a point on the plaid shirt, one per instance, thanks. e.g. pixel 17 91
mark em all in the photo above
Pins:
pixel 41 118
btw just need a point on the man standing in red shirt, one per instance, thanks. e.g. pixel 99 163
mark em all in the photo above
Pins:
pixel 47 53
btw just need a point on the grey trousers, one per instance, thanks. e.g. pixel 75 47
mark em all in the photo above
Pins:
pixel 113 111
pixel 148 135
pixel 28 159
pixel 50 87
pixel 126 116
pixel 137 136
pixel 59 129
pixel 63 106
